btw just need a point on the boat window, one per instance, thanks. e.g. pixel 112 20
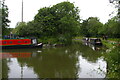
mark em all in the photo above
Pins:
pixel 19 41
pixel 10 41
pixel 26 41
pixel 4 42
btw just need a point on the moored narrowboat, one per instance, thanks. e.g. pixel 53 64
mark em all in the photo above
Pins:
pixel 20 43
pixel 93 41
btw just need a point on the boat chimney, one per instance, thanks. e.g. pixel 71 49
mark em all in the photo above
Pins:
pixel 22 11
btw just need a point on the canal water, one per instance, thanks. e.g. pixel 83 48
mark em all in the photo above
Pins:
pixel 75 61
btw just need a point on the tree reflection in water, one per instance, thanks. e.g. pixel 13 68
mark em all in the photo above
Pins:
pixel 62 62
pixel 5 68
pixel 53 63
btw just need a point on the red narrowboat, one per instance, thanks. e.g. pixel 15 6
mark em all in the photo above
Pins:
pixel 15 55
pixel 19 43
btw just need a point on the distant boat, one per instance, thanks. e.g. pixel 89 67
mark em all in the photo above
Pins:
pixel 93 41
pixel 20 43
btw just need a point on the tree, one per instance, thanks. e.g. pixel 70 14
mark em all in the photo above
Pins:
pixel 111 28
pixel 91 27
pixel 45 22
pixel 114 23
pixel 4 14
pixel 117 5
pixel 94 26
pixel 84 29
pixel 20 29
pixel 60 21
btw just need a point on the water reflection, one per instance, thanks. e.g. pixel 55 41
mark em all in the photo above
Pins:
pixel 75 61
pixel 92 70
pixel 52 63
pixel 94 47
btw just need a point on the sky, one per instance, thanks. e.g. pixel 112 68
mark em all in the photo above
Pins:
pixel 88 8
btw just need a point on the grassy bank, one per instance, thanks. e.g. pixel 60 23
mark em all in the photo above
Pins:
pixel 110 43
pixel 113 59
pixel 107 44
pixel 78 39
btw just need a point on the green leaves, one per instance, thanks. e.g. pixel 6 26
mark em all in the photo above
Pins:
pixel 113 60
pixel 4 16
pixel 91 27
pixel 60 21
pixel 112 28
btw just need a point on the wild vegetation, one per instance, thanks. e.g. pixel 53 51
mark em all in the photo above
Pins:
pixel 113 63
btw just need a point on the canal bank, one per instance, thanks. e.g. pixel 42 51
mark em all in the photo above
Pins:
pixel 113 57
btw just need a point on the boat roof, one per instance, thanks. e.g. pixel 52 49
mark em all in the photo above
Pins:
pixel 14 38
pixel 94 38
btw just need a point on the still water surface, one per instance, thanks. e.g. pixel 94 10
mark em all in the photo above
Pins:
pixel 75 61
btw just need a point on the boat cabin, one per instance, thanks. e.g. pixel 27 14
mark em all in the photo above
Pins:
pixel 95 41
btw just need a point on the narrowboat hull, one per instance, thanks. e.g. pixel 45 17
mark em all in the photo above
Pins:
pixel 93 41
pixel 19 43
pixel 21 46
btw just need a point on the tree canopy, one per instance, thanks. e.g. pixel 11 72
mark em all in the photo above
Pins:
pixel 4 17
pixel 61 21
pixel 111 28
pixel 90 27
